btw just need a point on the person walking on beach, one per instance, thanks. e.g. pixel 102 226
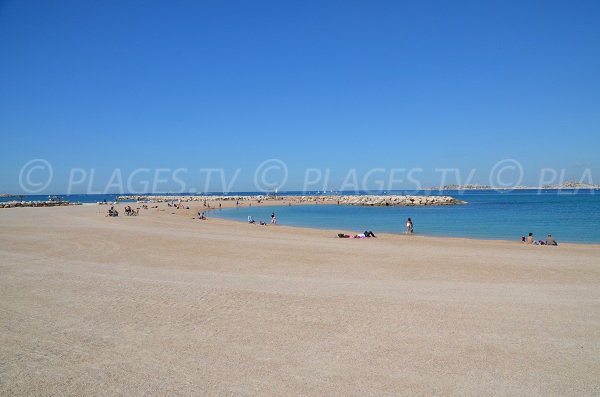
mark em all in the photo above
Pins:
pixel 409 226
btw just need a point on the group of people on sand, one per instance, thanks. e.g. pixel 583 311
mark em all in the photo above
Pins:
pixel 410 230
pixel 369 233
pixel 128 211
pixel 131 212
pixel 531 240
pixel 179 205
pixel 273 220
pixel 207 204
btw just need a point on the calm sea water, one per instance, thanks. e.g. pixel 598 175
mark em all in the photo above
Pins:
pixel 569 215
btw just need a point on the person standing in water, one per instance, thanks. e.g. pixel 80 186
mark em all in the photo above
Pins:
pixel 273 219
pixel 409 226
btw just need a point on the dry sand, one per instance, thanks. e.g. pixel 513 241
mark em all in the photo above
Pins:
pixel 161 304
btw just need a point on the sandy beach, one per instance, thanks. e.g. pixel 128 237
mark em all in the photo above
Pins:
pixel 163 304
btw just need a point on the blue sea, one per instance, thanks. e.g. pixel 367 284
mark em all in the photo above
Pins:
pixel 569 215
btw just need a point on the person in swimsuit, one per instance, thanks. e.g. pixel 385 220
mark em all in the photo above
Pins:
pixel 530 239
pixel 409 226
pixel 550 240
pixel 366 234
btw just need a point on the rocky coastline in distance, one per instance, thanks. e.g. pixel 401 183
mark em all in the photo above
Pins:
pixel 48 203
pixel 572 185
pixel 565 185
pixel 359 200
pixel 52 202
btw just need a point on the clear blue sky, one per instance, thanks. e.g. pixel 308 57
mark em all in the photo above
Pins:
pixel 324 84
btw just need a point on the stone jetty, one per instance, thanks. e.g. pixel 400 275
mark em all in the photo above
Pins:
pixel 14 204
pixel 359 200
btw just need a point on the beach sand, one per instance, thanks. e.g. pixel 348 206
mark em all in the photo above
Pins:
pixel 162 304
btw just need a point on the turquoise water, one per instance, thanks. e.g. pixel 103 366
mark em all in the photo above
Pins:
pixel 570 216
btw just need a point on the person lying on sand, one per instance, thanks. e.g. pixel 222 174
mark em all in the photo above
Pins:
pixel 366 234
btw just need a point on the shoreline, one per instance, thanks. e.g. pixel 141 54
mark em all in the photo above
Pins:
pixel 195 206
pixel 230 205
pixel 405 236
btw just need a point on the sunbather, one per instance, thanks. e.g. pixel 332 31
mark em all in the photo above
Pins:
pixel 550 240
pixel 366 234
pixel 530 239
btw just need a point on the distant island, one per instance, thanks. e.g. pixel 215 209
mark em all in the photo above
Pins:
pixel 572 185
pixel 477 187
pixel 5 195
pixel 565 185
